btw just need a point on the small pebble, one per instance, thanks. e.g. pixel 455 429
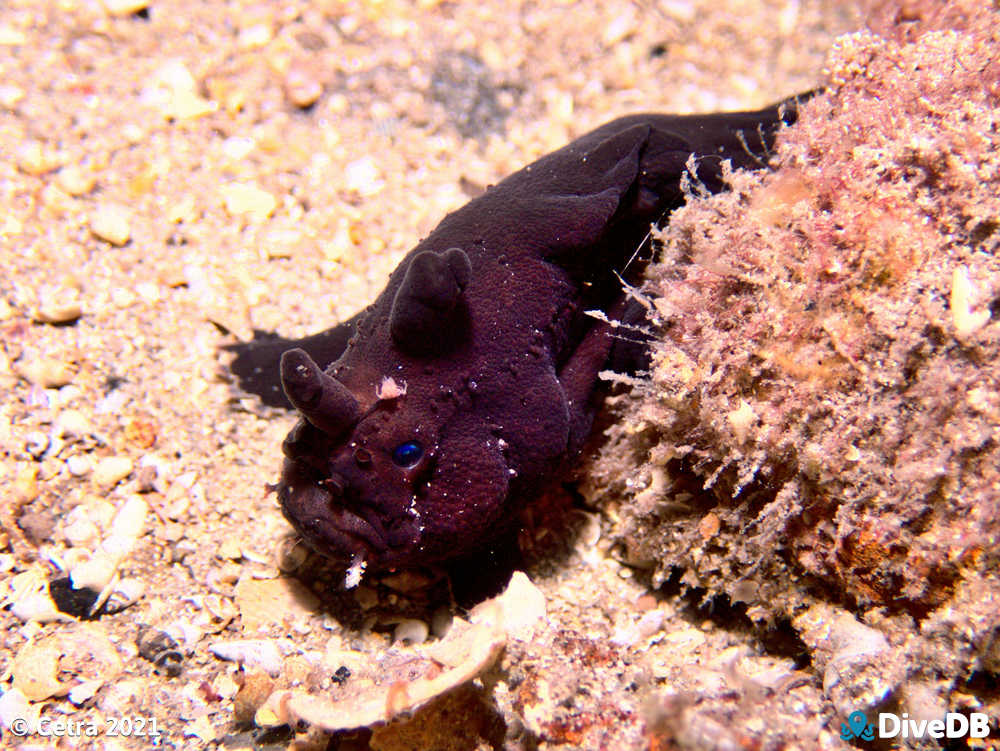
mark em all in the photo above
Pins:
pixel 259 653
pixel 176 503
pixel 110 223
pixel 66 395
pixel 231 549
pixel 257 686
pixel 35 159
pixel 36 443
pixel 625 636
pixel 174 75
pixel 100 511
pixel 411 631
pixel 81 533
pixel 10 96
pixel 202 729
pixel 620 27
pixel 645 603
pixel 85 691
pixel 650 623
pixel 121 8
pixel 148 292
pixel 78 465
pixel 128 524
pixel 362 176
pixel 244 199
pixel 122 297
pixel 133 134
pixel 26 484
pixel 72 423
pixel 225 686
pixel 185 633
pixel 302 86
pixel 62 306
pixel 37 607
pixel 95 572
pixel 709 526
pixel 37 525
pixel 173 90
pixel 170 531
pixel 55 199
pixel 236 148
pixel 11 226
pixel 75 180
pixel 964 300
pixel 255 36
pixel 161 475
pixel 111 470
pixel 11 37
pixel 685 639
pixel 112 403
pixel 221 608
pixel 146 479
pixel 56 445
pixel 44 372
pixel 38 398
pixel 281 243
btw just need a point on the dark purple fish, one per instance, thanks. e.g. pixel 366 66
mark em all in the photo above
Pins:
pixel 432 417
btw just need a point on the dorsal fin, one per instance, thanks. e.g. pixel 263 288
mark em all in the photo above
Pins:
pixel 427 303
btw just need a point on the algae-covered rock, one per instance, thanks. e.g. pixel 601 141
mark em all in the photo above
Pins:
pixel 822 416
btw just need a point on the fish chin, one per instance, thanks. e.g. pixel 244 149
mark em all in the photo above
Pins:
pixel 331 530
pixel 348 534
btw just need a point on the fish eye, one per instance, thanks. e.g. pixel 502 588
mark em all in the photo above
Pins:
pixel 407 454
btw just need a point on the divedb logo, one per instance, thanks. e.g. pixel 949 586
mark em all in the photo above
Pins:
pixel 890 725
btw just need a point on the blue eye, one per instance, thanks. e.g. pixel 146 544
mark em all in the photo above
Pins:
pixel 407 454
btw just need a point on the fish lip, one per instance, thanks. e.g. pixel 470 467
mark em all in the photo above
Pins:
pixel 335 526
pixel 333 530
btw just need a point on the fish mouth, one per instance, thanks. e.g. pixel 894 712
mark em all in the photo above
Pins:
pixel 329 528
pixel 340 527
